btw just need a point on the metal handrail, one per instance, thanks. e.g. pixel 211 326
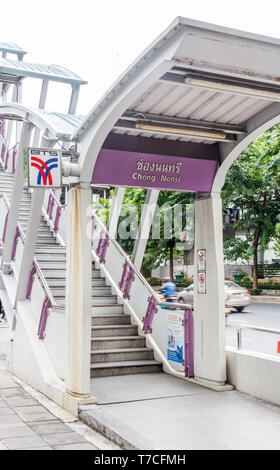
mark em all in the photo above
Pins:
pixel 63 206
pixel 137 272
pixel 38 269
pixel 254 328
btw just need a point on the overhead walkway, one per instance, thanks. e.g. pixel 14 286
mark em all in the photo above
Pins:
pixel 78 307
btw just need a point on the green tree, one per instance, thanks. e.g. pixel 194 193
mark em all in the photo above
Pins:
pixel 252 186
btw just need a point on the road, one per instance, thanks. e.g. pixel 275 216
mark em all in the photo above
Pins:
pixel 257 314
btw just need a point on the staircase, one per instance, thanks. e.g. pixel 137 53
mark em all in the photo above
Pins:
pixel 116 347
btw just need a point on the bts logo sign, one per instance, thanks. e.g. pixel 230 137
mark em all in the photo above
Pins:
pixel 44 168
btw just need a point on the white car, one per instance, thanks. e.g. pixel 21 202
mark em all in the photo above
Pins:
pixel 235 296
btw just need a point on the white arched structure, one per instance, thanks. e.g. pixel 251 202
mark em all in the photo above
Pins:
pixel 199 91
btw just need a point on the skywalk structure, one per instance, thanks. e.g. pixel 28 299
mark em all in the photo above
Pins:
pixel 177 119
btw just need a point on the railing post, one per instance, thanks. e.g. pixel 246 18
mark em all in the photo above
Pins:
pixel 5 228
pixel 102 246
pixel 148 319
pixel 57 217
pixel 43 318
pixel 30 282
pixel 124 276
pixel 189 343
pixel 51 207
pixel 14 159
pixel 14 249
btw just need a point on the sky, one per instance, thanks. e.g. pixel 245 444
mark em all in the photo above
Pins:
pixel 99 39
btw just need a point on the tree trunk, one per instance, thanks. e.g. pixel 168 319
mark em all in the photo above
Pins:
pixel 255 269
pixel 171 261
pixel 255 256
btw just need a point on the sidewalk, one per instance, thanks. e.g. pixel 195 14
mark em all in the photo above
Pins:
pixel 27 424
pixel 159 411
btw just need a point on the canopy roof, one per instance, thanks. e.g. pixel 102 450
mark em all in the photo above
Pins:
pixel 11 48
pixel 11 69
pixel 60 126
pixel 216 79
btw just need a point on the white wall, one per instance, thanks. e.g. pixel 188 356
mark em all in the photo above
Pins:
pixel 255 374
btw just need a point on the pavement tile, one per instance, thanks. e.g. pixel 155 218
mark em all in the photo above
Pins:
pixel 16 431
pixel 50 427
pixel 10 420
pixel 35 417
pixel 29 409
pixel 77 446
pixel 38 448
pixel 17 443
pixel 6 411
pixel 21 401
pixel 64 438
pixel 3 404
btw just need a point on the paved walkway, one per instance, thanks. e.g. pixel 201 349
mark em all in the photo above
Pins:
pixel 159 411
pixel 26 424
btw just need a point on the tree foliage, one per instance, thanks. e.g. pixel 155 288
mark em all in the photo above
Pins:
pixel 252 186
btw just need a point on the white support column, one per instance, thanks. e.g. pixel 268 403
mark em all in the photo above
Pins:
pixel 30 242
pixel 115 211
pixel 147 216
pixel 74 99
pixel 17 192
pixel 31 237
pixel 78 291
pixel 11 123
pixel 209 308
pixel 42 104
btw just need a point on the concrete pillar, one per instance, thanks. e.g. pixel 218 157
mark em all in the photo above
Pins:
pixel 115 211
pixel 209 308
pixel 78 291
pixel 147 215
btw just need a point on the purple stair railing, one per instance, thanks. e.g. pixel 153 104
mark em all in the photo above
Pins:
pixel 102 246
pixel 14 249
pixel 3 151
pixel 57 217
pixel 14 159
pixel 5 228
pixel 43 319
pixel 127 279
pixel 189 343
pixel 148 319
pixel 30 282
pixel 50 206
pixel 6 159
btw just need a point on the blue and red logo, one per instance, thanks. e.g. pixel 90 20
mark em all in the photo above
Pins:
pixel 45 169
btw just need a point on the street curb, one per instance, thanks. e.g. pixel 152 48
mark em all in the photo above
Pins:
pixel 268 299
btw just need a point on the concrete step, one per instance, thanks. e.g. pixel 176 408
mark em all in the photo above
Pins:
pixel 121 355
pixel 52 250
pixel 107 309
pixel 124 368
pixel 53 265
pixel 54 274
pixel 108 331
pixel 104 300
pixel 54 282
pixel 103 290
pixel 95 273
pixel 117 319
pixel 96 282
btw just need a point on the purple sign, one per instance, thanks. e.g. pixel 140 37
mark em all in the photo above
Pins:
pixel 121 168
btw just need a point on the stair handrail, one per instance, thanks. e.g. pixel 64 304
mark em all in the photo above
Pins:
pixel 36 264
pixel 137 272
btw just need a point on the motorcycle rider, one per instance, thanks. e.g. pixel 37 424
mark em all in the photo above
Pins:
pixel 168 288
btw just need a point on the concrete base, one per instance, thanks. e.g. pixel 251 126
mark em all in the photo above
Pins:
pixel 158 411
